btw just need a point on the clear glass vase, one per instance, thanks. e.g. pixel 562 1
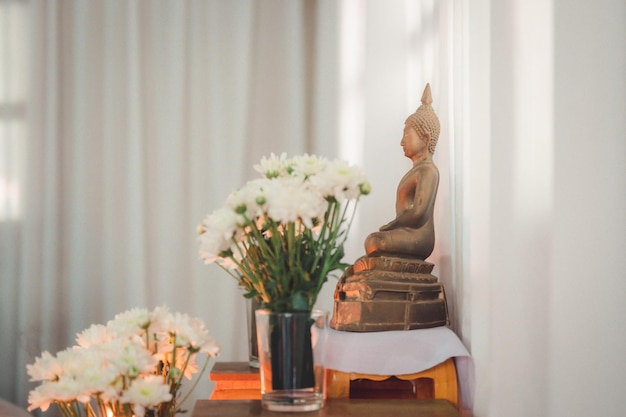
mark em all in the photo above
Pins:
pixel 291 357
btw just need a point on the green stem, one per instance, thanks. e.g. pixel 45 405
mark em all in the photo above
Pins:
pixel 182 371
pixel 65 410
pixel 101 407
pixel 206 362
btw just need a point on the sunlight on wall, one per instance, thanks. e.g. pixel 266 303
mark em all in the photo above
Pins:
pixel 420 49
pixel 351 62
pixel 13 82
pixel 533 93
pixel 11 169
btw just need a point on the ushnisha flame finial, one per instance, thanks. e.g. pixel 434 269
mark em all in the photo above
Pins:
pixel 427 97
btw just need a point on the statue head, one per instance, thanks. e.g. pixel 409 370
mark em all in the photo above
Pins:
pixel 425 121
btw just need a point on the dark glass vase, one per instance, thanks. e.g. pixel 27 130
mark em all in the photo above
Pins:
pixel 291 354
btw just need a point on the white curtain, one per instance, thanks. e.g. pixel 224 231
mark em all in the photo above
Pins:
pixel 140 118
pixel 124 123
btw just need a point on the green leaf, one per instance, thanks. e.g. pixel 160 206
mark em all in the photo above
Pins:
pixel 300 302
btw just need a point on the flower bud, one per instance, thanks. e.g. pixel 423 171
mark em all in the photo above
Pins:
pixel 365 188
pixel 174 373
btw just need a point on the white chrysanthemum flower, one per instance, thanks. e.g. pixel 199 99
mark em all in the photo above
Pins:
pixel 86 372
pixel 182 328
pixel 78 373
pixel 211 245
pixel 42 396
pixel 160 318
pixel 92 372
pixel 308 165
pixel 218 230
pixel 340 180
pixel 132 359
pixel 249 199
pixel 67 388
pixel 162 346
pixel 190 333
pixel 290 201
pixel 96 334
pixel 98 378
pixel 273 166
pixel 62 390
pixel 74 360
pixel 133 321
pixel 112 393
pixel 45 368
pixel 146 393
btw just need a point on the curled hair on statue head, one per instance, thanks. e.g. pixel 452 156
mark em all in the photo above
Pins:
pixel 425 121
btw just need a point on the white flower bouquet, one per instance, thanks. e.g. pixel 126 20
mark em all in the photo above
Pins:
pixel 132 366
pixel 281 235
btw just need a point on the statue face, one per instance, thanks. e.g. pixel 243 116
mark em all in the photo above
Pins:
pixel 412 143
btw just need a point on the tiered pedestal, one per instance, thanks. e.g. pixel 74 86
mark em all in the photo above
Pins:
pixel 388 293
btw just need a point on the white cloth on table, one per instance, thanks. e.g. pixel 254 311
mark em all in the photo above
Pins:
pixel 398 352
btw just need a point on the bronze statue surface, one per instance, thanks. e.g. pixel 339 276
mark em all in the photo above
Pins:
pixel 412 232
pixel 392 288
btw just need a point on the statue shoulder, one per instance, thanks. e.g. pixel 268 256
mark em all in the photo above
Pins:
pixel 426 168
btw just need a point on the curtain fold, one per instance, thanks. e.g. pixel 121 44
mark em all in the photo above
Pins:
pixel 142 117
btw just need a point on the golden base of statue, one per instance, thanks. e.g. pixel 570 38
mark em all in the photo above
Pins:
pixel 388 293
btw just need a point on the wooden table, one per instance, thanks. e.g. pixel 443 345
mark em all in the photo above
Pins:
pixel 332 408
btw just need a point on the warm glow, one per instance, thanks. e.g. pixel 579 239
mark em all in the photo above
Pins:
pixel 352 58
pixel 110 412
pixel 9 199
pixel 12 168
pixel 14 78
pixel 421 49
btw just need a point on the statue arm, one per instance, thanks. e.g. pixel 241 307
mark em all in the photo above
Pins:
pixel 389 226
pixel 417 212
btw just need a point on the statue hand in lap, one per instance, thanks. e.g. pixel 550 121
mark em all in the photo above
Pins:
pixel 412 234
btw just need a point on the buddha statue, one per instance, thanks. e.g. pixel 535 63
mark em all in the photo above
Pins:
pixel 392 286
pixel 412 234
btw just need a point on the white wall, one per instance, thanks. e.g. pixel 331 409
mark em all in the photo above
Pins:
pixel 546 204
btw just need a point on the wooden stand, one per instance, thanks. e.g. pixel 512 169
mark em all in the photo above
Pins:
pixel 238 381
pixel 438 382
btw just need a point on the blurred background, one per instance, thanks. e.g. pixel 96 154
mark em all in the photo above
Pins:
pixel 124 123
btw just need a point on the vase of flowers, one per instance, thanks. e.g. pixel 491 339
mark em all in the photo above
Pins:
pixel 281 236
pixel 133 367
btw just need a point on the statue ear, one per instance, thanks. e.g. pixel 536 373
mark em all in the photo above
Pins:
pixel 426 137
